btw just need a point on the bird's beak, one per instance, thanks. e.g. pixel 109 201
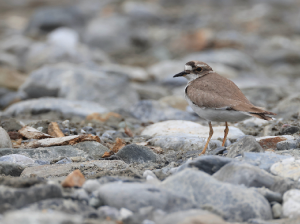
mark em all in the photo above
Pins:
pixel 180 74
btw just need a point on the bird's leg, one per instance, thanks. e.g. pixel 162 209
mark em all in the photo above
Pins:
pixel 225 133
pixel 211 132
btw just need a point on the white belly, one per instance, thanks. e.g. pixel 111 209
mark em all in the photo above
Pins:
pixel 219 115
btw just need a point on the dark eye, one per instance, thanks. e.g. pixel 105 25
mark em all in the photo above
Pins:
pixel 199 69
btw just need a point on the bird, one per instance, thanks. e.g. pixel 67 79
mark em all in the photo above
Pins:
pixel 216 98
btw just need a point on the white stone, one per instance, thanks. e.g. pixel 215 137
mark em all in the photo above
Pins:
pixel 134 73
pixel 64 37
pixel 18 159
pixel 5 141
pixel 189 129
pixel 166 69
pixel 287 168
pixel 125 213
pixel 291 203
pixel 91 185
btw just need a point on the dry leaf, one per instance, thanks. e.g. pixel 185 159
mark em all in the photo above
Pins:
pixel 107 154
pixel 120 143
pixel 103 117
pixel 32 133
pixel 74 179
pixel 128 132
pixel 68 140
pixel 54 130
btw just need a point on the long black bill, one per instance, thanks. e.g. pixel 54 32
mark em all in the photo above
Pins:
pixel 180 74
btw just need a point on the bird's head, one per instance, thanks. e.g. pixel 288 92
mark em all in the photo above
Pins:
pixel 193 70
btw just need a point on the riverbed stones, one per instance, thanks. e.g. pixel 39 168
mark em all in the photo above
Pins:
pixel 19 197
pixel 136 154
pixel 134 196
pixel 233 203
pixel 65 107
pixel 155 111
pixel 208 164
pixel 5 141
pixel 246 144
pixel 287 168
pixel 88 168
pixel 263 160
pixel 291 203
pixel 189 128
pixel 251 176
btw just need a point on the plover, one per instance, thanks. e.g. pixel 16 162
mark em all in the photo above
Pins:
pixel 216 98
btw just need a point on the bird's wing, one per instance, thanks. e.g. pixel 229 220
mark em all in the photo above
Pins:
pixel 215 91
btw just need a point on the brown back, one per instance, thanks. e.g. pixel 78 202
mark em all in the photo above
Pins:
pixel 213 90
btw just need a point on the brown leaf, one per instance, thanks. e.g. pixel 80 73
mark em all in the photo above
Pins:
pixel 120 143
pixel 32 133
pixel 107 154
pixel 128 132
pixel 74 179
pixel 67 140
pixel 103 117
pixel 14 135
pixel 54 130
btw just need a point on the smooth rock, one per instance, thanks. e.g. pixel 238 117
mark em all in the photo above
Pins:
pixel 264 96
pixel 246 144
pixel 291 203
pixel 20 197
pixel 277 210
pixel 103 33
pixel 19 182
pixel 91 185
pixel 190 216
pixel 271 196
pixel 11 169
pixel 66 81
pixel 177 102
pixel 178 142
pixel 134 73
pixel 134 196
pixel 289 106
pixel 49 217
pixel 5 141
pixel 67 206
pixel 10 124
pixel 67 108
pixel 287 145
pixel 137 154
pixel 48 153
pixel 189 129
pixel 287 168
pixel 88 168
pixel 231 57
pixel 150 91
pixel 263 160
pixel 207 164
pixel 251 176
pixel 95 150
pixel 17 159
pixel 289 130
pixel 233 203
pixel 155 111
pixel 165 69
pixel 43 21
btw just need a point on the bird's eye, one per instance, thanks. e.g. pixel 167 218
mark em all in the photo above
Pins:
pixel 199 69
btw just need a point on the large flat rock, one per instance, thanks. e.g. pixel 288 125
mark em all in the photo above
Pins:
pixel 87 168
